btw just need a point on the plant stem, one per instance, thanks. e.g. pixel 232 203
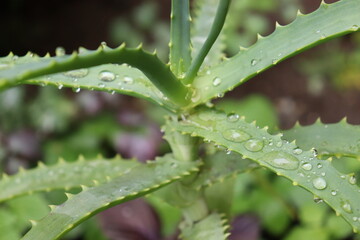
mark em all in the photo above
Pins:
pixel 184 147
pixel 180 51
pixel 213 35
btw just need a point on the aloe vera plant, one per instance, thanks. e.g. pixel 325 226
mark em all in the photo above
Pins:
pixel 196 73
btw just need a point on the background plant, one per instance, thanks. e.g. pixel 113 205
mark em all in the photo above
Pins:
pixel 75 75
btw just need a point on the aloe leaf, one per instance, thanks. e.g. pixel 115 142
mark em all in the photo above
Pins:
pixel 180 48
pixel 213 227
pixel 205 12
pixel 137 182
pixel 304 32
pixel 215 30
pixel 31 66
pixel 62 175
pixel 302 167
pixel 338 139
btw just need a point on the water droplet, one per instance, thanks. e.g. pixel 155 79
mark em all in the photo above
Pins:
pixel 275 61
pixel 59 51
pixel 254 62
pixel 233 117
pixel 281 160
pixel 101 85
pixel 319 183
pixel 306 166
pixel 319 165
pixel 128 80
pixel 77 90
pixel 195 96
pixel 333 192
pixel 345 205
pixel 208 72
pixel 235 135
pixel 228 152
pixel 254 145
pixel 352 179
pixel 4 66
pixel 216 81
pixel 355 219
pixel 106 76
pixel 354 28
pixel 79 73
pixel 297 151
pixel 318 200
pixel 342 176
pixel 60 86
pixel 173 165
pixel 279 144
pixel 220 95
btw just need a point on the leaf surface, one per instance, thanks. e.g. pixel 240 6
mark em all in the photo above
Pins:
pixel 338 139
pixel 329 21
pixel 109 78
pixel 205 12
pixel 62 176
pixel 286 159
pixel 137 182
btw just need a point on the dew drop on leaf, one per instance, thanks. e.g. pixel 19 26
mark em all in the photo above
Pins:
pixel 319 165
pixel 106 76
pixel 354 27
pixel 345 205
pixel 4 66
pixel 297 151
pixel 60 86
pixel 235 135
pixel 128 80
pixel 232 117
pixel 352 180
pixel 253 62
pixel 216 82
pixel 306 166
pixel 101 85
pixel 279 144
pixel 333 192
pixel 281 160
pixel 254 145
pixel 79 73
pixel 319 183
pixel 318 200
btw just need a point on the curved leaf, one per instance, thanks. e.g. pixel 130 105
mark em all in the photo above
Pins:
pixel 338 139
pixel 213 227
pixel 62 175
pixel 137 182
pixel 180 47
pixel 205 12
pixel 284 158
pixel 329 21
pixel 18 70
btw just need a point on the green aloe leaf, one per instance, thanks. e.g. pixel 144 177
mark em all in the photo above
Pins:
pixel 180 47
pixel 337 139
pixel 137 182
pixel 78 73
pixel 213 227
pixel 205 12
pixel 63 175
pixel 286 159
pixel 304 32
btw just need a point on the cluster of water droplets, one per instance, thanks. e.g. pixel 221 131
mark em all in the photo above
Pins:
pixel 310 167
